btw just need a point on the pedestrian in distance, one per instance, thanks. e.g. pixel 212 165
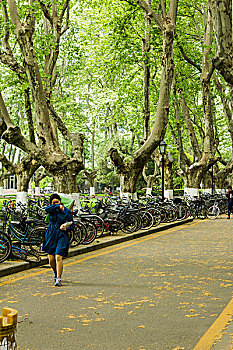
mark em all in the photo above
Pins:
pixel 56 239
pixel 229 195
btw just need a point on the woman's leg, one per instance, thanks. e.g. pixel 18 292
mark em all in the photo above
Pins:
pixel 52 262
pixel 59 264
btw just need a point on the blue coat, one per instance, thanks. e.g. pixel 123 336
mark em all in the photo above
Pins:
pixel 56 241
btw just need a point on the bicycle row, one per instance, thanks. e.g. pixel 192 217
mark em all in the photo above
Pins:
pixel 23 226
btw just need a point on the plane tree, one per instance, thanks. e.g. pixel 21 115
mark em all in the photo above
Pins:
pixel 195 98
pixel 165 20
pixel 30 51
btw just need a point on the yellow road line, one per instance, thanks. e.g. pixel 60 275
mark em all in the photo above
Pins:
pixel 207 340
pixel 32 274
pixel 13 280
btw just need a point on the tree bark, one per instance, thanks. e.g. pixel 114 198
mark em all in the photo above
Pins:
pixel 221 13
pixel 146 80
pixel 90 176
pixel 39 175
pixel 168 173
pixel 65 180
pixel 151 179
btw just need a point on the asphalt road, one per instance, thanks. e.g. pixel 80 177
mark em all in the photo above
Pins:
pixel 159 292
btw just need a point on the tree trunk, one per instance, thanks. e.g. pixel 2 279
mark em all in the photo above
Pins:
pixel 192 178
pixel 37 181
pixel 168 173
pixel 65 181
pixel 221 182
pixel 221 13
pixel 146 80
pixel 128 183
pixel 23 179
pixel 151 180
pixel 221 176
pixel 90 176
pixel 24 172
pixel 207 180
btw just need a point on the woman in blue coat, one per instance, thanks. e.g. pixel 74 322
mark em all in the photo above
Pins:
pixel 56 239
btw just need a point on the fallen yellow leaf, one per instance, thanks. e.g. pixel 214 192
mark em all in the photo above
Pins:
pixel 12 301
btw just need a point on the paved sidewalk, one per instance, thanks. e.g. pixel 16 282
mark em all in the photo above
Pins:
pixel 10 267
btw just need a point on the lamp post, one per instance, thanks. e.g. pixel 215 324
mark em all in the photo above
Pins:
pixel 162 150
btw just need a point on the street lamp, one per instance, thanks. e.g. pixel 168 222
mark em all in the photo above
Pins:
pixel 162 150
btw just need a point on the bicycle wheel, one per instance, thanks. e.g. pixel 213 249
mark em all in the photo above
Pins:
pixel 163 214
pixel 182 211
pixel 81 234
pixel 91 232
pixel 193 212
pixel 71 237
pixel 113 225
pixel 147 220
pixel 35 240
pixel 202 212
pixel 156 216
pixel 170 214
pixel 5 247
pixel 23 253
pixel 213 212
pixel 32 256
pixel 130 222
pixel 99 224
pixel 188 211
pixel 78 236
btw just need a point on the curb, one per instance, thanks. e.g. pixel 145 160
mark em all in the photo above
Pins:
pixel 21 266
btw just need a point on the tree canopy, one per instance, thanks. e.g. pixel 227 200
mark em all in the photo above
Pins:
pixel 73 86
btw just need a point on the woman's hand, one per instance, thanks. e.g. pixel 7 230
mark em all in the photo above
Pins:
pixel 61 207
pixel 63 227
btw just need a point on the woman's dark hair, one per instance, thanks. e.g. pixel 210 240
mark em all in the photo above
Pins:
pixel 54 196
pixel 230 187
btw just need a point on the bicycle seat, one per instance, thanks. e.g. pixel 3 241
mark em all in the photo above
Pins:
pixel 30 220
pixel 85 216
pixel 15 222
